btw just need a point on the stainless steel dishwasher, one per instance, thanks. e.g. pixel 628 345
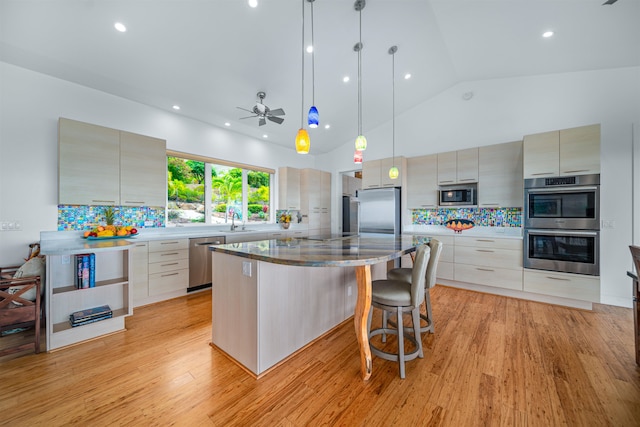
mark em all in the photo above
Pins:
pixel 200 261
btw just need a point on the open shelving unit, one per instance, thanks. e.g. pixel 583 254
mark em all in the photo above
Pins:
pixel 112 272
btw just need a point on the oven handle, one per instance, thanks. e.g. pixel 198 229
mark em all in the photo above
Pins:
pixel 563 233
pixel 560 189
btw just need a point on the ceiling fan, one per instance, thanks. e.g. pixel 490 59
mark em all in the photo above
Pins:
pixel 263 112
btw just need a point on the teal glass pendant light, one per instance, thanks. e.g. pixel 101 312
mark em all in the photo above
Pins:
pixel 361 141
pixel 313 118
pixel 393 171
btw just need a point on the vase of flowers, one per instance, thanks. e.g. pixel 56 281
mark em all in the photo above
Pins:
pixel 285 220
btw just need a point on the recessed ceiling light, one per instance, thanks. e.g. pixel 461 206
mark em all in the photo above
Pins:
pixel 253 3
pixel 327 126
pixel 265 136
pixel 120 27
pixel 309 49
pixel 227 124
pixel 407 76
pixel 345 79
pixel 176 107
pixel 547 34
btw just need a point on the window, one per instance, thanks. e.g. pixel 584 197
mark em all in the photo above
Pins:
pixel 213 192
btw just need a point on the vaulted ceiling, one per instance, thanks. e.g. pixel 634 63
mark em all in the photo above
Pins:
pixel 211 56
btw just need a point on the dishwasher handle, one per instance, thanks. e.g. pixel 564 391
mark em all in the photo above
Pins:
pixel 217 242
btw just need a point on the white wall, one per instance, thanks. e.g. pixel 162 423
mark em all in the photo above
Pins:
pixel 30 105
pixel 504 110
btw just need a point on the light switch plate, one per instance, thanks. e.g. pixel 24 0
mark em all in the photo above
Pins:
pixel 246 268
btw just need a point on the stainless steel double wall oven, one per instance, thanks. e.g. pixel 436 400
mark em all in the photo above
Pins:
pixel 562 224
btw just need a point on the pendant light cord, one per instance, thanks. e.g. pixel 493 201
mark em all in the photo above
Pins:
pixel 393 108
pixel 313 62
pixel 360 76
pixel 302 84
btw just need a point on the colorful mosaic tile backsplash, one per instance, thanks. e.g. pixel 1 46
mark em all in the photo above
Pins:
pixel 482 217
pixel 86 217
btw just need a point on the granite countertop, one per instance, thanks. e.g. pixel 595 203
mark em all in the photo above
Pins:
pixel 334 251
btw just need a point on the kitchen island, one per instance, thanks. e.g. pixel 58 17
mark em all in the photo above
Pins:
pixel 273 297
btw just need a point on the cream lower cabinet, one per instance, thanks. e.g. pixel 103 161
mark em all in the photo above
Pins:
pixel 565 285
pixel 112 288
pixel 445 263
pixel 139 280
pixel 489 261
pixel 168 266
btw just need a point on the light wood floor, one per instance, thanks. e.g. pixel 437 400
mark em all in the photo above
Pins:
pixel 492 361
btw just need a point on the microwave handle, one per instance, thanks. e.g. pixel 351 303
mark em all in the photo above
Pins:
pixel 560 189
pixel 564 233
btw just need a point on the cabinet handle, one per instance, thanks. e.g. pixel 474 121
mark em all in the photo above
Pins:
pixel 135 201
pixel 485 240
pixel 428 206
pixel 171 263
pixel 576 171
pixel 558 278
pixel 542 173
pixel 168 243
pixel 171 274
pixel 444 182
pixel 104 201
pixel 484 250
pixel 484 269
pixel 141 245
pixel 490 204
pixel 168 254
pixel 467 179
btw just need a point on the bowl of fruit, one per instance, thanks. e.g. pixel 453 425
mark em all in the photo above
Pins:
pixel 111 232
pixel 458 225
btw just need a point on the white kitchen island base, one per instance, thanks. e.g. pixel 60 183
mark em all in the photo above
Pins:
pixel 263 312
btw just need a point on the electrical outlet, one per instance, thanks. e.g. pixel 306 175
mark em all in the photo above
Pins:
pixel 148 223
pixel 66 259
pixel 4 226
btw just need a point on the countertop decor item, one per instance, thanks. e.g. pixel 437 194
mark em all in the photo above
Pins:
pixel 458 224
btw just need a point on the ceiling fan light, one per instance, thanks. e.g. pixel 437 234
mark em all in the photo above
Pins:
pixel 314 117
pixel 302 142
pixel 357 157
pixel 393 172
pixel 361 143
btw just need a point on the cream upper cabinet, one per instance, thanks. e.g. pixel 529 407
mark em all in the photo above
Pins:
pixel 500 175
pixel 422 182
pixel 573 151
pixel 375 173
pixel 89 164
pixel 541 155
pixel 371 174
pixel 350 185
pixel 456 167
pixel 289 188
pixel 143 170
pixel 580 150
pixel 103 166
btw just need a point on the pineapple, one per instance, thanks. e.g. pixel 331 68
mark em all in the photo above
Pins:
pixel 108 215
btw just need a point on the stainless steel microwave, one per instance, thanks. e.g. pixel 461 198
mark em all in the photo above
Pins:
pixel 458 195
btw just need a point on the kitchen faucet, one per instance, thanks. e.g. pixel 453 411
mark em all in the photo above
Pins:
pixel 233 220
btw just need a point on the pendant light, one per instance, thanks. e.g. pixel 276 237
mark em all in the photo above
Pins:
pixel 361 141
pixel 357 157
pixel 302 138
pixel 393 172
pixel 313 117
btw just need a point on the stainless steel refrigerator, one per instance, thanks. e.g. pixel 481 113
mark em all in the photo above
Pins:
pixel 379 211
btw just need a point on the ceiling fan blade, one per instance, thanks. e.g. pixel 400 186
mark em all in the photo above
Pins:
pixel 244 109
pixel 277 112
pixel 262 121
pixel 275 119
pixel 248 117
pixel 609 2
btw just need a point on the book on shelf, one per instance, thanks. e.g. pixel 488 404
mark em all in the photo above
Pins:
pixel 92 320
pixel 90 313
pixel 85 271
